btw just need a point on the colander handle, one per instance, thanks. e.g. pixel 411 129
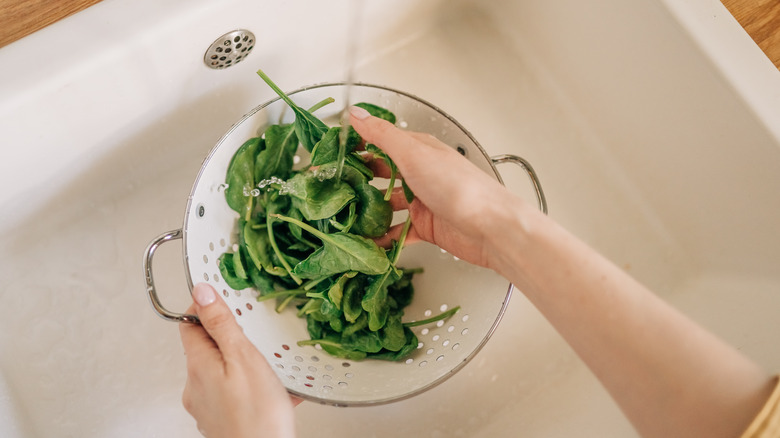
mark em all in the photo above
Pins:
pixel 522 162
pixel 151 290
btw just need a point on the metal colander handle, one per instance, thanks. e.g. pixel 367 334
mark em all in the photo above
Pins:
pixel 522 162
pixel 150 288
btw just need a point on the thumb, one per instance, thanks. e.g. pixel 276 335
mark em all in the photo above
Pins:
pixel 217 319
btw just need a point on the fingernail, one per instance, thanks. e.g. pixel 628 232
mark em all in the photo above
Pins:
pixel 203 294
pixel 358 112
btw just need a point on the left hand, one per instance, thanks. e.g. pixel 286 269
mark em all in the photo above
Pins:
pixel 231 390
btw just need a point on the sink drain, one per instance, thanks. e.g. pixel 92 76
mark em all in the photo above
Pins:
pixel 229 49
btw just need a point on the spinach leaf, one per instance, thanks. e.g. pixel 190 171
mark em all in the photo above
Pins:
pixel 340 253
pixel 364 340
pixel 440 317
pixel 227 270
pixel 375 302
pixel 374 214
pixel 272 240
pixel 314 327
pixel 377 111
pixel 261 280
pixel 308 128
pixel 276 160
pixel 360 323
pixel 355 171
pixel 336 291
pixel 402 291
pixel 392 335
pixel 379 153
pixel 332 345
pixel 238 265
pixel 318 198
pixel 351 303
pixel 342 223
pixel 327 149
pixel 257 246
pixel 407 349
pixel 240 178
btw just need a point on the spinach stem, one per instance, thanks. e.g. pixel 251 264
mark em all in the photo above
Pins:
pixel 280 294
pixel 284 303
pixel 276 89
pixel 321 342
pixel 321 104
pixel 310 285
pixel 317 233
pixel 402 238
pixel 391 184
pixel 278 252
pixel 439 317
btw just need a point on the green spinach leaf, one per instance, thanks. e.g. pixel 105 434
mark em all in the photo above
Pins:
pixel 374 214
pixel 340 253
pixel 308 127
pixel 240 178
pixel 276 160
pixel 317 197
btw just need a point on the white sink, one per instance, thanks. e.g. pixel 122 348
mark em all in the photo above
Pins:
pixel 654 126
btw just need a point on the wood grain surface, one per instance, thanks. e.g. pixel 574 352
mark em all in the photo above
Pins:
pixel 19 18
pixel 761 20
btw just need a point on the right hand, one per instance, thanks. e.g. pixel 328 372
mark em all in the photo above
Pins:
pixel 457 206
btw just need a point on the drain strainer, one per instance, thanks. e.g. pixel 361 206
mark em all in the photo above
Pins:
pixel 229 49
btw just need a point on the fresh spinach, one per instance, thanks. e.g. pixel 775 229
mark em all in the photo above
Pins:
pixel 308 127
pixel 304 236
pixel 240 178
pixel 374 213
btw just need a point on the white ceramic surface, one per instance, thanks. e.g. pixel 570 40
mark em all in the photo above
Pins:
pixel 654 126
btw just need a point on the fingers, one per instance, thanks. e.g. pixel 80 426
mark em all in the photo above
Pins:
pixel 196 340
pixel 385 135
pixel 394 233
pixel 398 199
pixel 217 320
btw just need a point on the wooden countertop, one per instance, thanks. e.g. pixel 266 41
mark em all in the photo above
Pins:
pixel 19 18
pixel 761 20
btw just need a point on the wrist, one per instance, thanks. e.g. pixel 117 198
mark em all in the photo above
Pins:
pixel 508 249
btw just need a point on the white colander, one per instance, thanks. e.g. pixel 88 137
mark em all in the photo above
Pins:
pixel 308 372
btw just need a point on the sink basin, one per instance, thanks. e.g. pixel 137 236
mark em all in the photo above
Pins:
pixel 654 126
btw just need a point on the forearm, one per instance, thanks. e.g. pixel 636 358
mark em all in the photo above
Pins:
pixel 668 375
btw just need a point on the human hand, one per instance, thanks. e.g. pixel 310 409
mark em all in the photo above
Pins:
pixel 231 391
pixel 457 206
